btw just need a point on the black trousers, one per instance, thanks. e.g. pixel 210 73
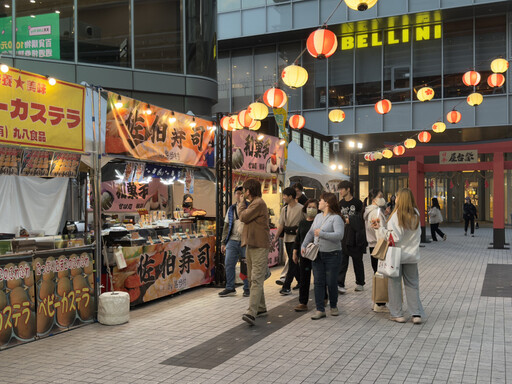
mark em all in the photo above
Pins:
pixel 357 262
pixel 293 269
pixel 305 268
pixel 434 228
pixel 375 261
pixel 466 222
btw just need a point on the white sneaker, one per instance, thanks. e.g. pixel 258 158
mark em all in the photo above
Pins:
pixel 342 290
pixel 380 308
pixel 359 288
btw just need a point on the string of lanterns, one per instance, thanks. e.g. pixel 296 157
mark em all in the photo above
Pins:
pixel 470 78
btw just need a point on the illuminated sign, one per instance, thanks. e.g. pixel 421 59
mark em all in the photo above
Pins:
pixel 390 37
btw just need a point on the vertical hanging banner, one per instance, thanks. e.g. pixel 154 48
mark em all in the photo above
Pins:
pixel 281 115
pixel 147 132
pixel 34 113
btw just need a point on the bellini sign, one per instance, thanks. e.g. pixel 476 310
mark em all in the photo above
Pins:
pixel 390 37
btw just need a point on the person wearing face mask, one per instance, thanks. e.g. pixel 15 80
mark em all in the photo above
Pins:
pixel 311 210
pixel 374 213
pixel 188 206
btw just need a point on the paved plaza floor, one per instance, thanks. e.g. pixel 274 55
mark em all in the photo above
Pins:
pixel 199 337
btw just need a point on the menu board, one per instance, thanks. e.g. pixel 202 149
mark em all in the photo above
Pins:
pixel 35 163
pixel 9 160
pixel 64 165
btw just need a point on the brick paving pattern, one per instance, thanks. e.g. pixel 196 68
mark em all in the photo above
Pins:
pixel 466 338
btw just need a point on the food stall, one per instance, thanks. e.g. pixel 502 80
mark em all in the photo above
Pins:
pixel 261 157
pixel 155 246
pixel 47 277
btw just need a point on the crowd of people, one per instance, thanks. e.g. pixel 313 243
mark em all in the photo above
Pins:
pixel 340 231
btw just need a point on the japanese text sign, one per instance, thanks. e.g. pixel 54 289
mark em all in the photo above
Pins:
pixel 36 114
pixel 458 157
pixel 251 154
pixel 158 270
pixel 131 196
pixel 147 132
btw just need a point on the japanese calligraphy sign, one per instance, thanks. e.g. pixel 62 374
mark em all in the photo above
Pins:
pixel 251 154
pixel 43 295
pixel 158 270
pixel 147 132
pixel 36 114
pixel 131 196
pixel 36 36
pixel 458 157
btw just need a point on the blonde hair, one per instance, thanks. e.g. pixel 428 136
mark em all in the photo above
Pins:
pixel 406 209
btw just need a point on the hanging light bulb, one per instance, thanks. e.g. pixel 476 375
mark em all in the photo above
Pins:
pixel 172 119
pixel 410 143
pixel 52 81
pixel 119 102
pixel 387 154
pixel 294 76
pixel 258 111
pixel 336 115
pixel 439 127
pixel 4 68
pixel 148 111
pixel 360 5
pixel 193 123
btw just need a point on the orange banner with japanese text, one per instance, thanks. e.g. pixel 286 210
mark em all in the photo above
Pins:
pixel 34 113
pixel 147 132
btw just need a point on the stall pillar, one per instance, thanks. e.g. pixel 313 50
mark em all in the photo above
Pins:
pixel 498 168
pixel 417 186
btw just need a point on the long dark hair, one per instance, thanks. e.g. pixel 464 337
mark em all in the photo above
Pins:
pixel 371 196
pixel 332 201
pixel 435 203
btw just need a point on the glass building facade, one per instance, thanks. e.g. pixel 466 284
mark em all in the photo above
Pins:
pixel 128 45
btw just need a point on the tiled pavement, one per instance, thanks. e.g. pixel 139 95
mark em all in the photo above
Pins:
pixel 467 337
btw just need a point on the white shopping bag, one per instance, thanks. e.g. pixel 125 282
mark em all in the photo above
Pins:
pixel 390 266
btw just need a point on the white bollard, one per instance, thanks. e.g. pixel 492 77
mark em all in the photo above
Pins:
pixel 114 308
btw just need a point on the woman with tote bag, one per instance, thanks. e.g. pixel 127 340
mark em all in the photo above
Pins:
pixel 327 231
pixel 435 217
pixel 404 225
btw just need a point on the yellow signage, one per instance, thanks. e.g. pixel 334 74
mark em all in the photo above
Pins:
pixel 390 37
pixel 34 113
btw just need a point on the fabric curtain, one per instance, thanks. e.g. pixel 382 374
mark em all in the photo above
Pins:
pixel 32 202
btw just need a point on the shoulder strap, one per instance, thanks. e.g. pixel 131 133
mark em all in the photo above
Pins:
pixel 236 211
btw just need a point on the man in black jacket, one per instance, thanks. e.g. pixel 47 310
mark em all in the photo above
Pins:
pixel 469 216
pixel 354 239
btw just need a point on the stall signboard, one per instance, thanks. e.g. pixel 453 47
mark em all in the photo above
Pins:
pixel 147 132
pixel 251 154
pixel 158 270
pixel 273 254
pixel 32 162
pixel 458 157
pixel 34 113
pixel 43 294
pixel 131 196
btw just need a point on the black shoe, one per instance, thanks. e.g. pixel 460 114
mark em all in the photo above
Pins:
pixel 261 314
pixel 249 319
pixel 227 292
pixel 296 287
pixel 247 293
pixel 285 292
pixel 279 282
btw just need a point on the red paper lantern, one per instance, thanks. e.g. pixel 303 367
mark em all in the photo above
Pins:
pixel 453 117
pixel 224 123
pixel 275 98
pixel 367 157
pixel 399 150
pixel 424 137
pixel 322 43
pixel 382 107
pixel 297 122
pixel 471 78
pixel 244 119
pixel 496 80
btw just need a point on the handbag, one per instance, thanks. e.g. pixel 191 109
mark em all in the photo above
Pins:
pixel 380 289
pixel 379 252
pixel 390 267
pixel 312 249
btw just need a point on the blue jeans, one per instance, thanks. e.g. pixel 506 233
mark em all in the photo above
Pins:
pixel 325 269
pixel 234 252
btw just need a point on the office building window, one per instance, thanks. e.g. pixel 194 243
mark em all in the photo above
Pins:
pixel 224 83
pixel 427 64
pixel 296 137
pixel 242 77
pixel 458 56
pixel 228 5
pixel 265 74
pixel 341 79
pixel 368 75
pixel 104 32
pixel 397 70
pixel 314 91
pixel 158 35
pixel 54 37
pixel 317 149
pixel 325 153
pixel 306 143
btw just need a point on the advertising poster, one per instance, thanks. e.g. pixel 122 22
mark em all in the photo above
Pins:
pixel 34 113
pixel 273 254
pixel 147 132
pixel 251 154
pixel 64 165
pixel 9 160
pixel 35 163
pixel 17 301
pixel 158 270
pixel 131 196
pixel 36 36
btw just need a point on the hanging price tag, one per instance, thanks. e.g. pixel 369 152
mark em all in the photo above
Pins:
pixel 119 257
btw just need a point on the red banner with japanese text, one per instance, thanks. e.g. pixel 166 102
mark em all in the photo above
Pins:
pixel 158 270
pixel 147 132
pixel 34 113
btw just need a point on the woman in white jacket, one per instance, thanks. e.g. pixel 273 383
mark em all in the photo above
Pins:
pixel 404 225
pixel 435 217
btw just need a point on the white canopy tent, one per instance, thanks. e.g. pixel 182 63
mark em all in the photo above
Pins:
pixel 301 164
